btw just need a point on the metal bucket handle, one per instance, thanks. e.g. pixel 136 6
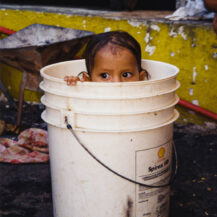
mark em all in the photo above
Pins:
pixel 172 177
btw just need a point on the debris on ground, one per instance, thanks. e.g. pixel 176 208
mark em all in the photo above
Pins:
pixel 31 147
pixel 26 143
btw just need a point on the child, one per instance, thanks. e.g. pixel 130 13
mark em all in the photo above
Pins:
pixel 111 57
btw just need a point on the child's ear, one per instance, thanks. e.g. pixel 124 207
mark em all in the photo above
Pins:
pixel 142 75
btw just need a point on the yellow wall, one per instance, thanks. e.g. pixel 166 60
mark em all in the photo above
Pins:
pixel 191 47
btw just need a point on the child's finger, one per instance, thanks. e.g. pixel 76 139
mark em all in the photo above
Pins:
pixel 76 79
pixel 86 77
pixel 66 78
pixel 70 80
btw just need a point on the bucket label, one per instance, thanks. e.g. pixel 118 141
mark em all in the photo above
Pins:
pixel 153 167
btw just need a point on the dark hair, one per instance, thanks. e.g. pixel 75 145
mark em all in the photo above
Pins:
pixel 119 38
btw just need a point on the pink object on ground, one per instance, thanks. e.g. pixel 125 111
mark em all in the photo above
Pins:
pixel 31 147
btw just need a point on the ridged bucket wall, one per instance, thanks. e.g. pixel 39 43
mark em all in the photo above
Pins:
pixel 128 126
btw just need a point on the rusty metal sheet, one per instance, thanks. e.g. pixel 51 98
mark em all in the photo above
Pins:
pixel 39 45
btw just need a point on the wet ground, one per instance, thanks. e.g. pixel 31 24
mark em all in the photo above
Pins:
pixel 25 189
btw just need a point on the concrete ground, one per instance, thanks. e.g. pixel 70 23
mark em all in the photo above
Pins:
pixel 25 189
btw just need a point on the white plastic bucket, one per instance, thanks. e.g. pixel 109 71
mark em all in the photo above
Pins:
pixel 127 126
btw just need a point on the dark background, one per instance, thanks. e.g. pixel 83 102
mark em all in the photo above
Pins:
pixel 103 5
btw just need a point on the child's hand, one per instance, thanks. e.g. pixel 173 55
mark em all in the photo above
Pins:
pixel 72 80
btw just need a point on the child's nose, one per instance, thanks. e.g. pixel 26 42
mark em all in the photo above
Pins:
pixel 116 79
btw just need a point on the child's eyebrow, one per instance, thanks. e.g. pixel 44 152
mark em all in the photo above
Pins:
pixel 110 70
pixel 105 70
pixel 126 69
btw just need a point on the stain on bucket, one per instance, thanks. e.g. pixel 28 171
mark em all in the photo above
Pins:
pixel 129 207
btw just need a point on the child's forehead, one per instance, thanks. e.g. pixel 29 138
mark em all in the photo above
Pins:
pixel 113 48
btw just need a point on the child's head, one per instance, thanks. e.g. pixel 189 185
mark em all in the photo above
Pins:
pixel 114 57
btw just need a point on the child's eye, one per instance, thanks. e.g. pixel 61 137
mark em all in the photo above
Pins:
pixel 127 74
pixel 104 75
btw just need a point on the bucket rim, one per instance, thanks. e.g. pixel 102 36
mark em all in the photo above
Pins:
pixel 113 84
pixel 76 96
pixel 171 121
pixel 172 104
